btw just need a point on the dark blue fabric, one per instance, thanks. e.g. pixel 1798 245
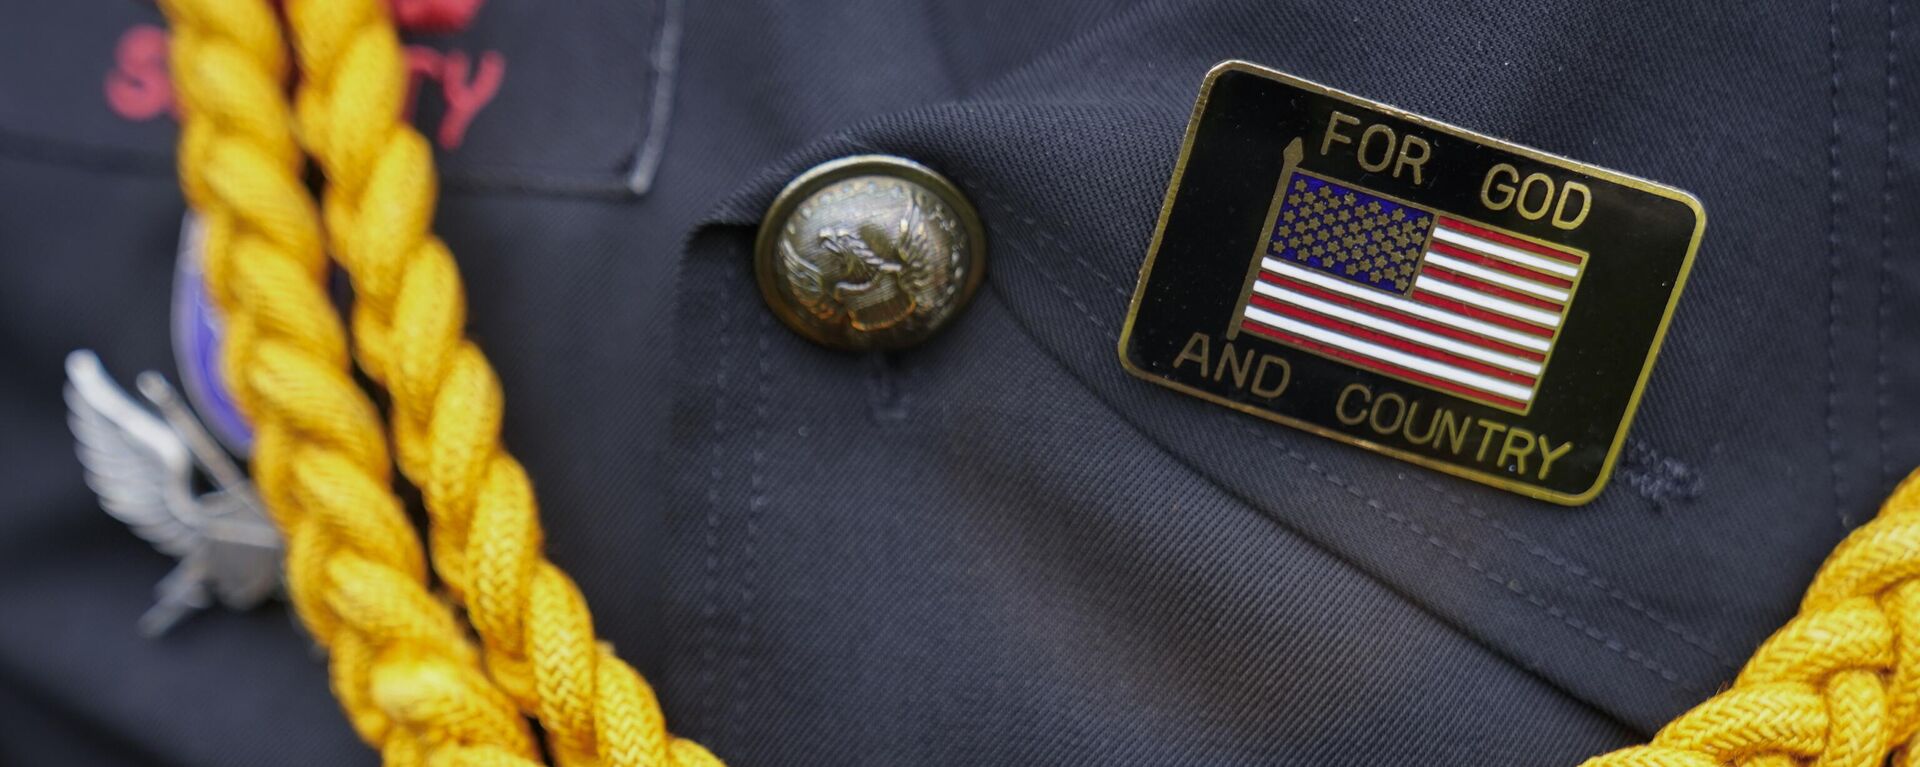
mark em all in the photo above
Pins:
pixel 997 548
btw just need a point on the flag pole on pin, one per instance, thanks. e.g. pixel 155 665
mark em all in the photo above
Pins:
pixel 1290 160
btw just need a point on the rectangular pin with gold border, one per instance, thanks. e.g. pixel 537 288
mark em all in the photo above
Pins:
pixel 1384 279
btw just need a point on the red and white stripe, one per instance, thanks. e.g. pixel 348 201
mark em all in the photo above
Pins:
pixel 1479 321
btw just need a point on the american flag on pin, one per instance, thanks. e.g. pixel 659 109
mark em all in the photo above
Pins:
pixel 1412 293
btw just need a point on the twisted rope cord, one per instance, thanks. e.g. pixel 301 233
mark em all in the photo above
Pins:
pixel 408 316
pixel 1839 685
pixel 407 676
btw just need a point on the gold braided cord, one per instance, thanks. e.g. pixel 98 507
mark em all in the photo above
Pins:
pixel 1839 685
pixel 403 669
pixel 408 319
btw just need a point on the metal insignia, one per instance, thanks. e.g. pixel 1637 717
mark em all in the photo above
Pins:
pixel 141 465
pixel 1407 286
pixel 869 252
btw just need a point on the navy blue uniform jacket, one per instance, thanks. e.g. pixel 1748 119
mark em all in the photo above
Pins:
pixel 998 547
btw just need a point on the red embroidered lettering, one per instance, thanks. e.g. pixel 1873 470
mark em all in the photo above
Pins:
pixel 137 86
pixel 466 97
pixel 423 63
pixel 435 15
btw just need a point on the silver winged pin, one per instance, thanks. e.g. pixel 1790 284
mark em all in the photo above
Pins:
pixel 141 465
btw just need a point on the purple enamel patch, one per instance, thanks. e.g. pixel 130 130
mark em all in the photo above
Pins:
pixel 197 335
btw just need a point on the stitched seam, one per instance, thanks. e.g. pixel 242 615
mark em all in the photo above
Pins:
pixel 1532 547
pixel 1585 629
pixel 1883 313
pixel 756 508
pixel 1097 274
pixel 1579 571
pixel 1491 575
pixel 996 290
pixel 1834 199
pixel 710 608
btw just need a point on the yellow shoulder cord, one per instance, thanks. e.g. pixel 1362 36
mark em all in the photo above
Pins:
pixel 1839 685
pixel 402 667
pixel 534 625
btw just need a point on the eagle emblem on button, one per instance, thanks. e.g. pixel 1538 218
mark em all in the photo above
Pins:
pixel 869 253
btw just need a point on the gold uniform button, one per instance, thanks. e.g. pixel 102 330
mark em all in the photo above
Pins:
pixel 869 252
